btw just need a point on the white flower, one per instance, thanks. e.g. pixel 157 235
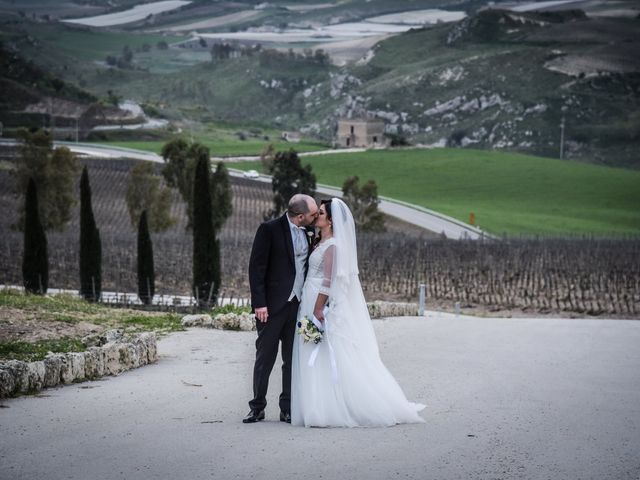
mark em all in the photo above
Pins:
pixel 308 330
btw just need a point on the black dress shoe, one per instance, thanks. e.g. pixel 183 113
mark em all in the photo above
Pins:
pixel 254 416
pixel 285 417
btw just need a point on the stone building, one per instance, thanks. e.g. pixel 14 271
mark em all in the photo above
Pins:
pixel 361 132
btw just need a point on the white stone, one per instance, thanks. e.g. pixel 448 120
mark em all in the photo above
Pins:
pixel 197 320
pixel 52 369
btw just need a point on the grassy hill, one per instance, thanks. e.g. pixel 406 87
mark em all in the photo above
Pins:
pixel 508 193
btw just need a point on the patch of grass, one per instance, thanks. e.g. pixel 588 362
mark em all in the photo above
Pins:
pixel 7 166
pixel 57 304
pixel 164 323
pixel 92 44
pixel 32 352
pixel 69 309
pixel 66 308
pixel 228 147
pixel 229 308
pixel 508 193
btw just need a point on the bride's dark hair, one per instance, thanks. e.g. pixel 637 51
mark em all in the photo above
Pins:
pixel 327 204
pixel 327 208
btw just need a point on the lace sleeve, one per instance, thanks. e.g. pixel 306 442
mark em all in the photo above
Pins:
pixel 327 269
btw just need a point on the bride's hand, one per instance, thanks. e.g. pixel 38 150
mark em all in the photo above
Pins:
pixel 319 314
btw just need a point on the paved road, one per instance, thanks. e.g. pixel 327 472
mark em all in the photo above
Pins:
pixel 416 215
pixel 507 399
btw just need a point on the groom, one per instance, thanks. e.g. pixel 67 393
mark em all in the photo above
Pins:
pixel 276 274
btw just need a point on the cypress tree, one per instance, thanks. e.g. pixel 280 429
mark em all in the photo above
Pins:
pixel 90 245
pixel 146 275
pixel 35 262
pixel 206 255
pixel 221 196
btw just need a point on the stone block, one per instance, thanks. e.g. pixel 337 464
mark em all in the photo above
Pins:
pixel 94 363
pixel 75 367
pixel 111 353
pixel 197 321
pixel 36 375
pixel 7 381
pixel 53 369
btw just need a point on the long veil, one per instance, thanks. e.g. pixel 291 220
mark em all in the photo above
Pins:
pixel 371 394
pixel 348 308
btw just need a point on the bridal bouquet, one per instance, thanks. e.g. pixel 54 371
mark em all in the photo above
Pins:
pixel 309 330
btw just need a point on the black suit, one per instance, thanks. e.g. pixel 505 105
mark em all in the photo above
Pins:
pixel 272 274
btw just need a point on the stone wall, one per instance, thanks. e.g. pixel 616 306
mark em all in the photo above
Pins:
pixel 111 354
pixel 247 321
pixel 379 309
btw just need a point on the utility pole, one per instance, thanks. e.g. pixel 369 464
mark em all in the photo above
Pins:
pixel 562 126
pixel 52 121
pixel 562 137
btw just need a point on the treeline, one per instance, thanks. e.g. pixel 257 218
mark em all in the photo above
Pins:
pixel 268 57
pixel 206 193
pixel 571 275
pixel 274 58
pixel 149 196
pixel 124 60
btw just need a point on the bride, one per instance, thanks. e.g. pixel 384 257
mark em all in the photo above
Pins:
pixel 341 381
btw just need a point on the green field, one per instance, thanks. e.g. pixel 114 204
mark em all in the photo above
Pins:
pixel 508 193
pixel 228 146
pixel 92 45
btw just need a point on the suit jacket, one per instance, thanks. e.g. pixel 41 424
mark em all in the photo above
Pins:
pixel 272 269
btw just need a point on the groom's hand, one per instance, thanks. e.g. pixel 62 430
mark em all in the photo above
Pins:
pixel 262 314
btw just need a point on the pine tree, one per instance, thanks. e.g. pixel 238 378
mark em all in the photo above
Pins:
pixel 35 262
pixel 289 178
pixel 206 248
pixel 145 191
pixel 363 202
pixel 54 171
pixel 181 159
pixel 90 245
pixel 146 275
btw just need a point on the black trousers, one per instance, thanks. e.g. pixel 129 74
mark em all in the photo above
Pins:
pixel 279 329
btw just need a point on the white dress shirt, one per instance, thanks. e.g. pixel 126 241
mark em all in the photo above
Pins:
pixel 300 251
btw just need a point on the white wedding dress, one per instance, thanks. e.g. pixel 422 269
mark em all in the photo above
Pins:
pixel 345 384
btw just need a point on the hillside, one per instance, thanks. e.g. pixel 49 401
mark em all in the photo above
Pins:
pixel 497 79
pixel 24 85
pixel 501 80
pixel 32 97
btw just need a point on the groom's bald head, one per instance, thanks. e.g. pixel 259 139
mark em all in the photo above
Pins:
pixel 300 203
pixel 302 208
